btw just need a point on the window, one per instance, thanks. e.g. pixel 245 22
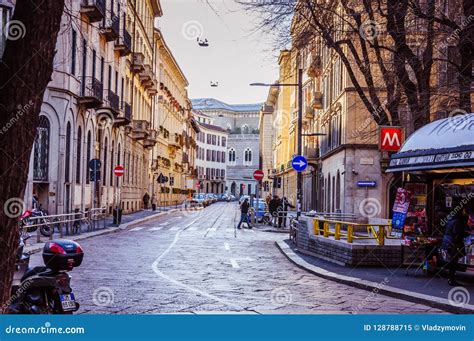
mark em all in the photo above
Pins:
pixel 112 165
pixel 208 155
pixel 104 166
pixel 67 161
pixel 248 157
pixel 5 13
pixel 224 140
pixel 78 155
pixel 94 57
pixel 213 155
pixel 73 52
pixel 84 66
pixel 88 151
pixel 232 155
pixel 41 150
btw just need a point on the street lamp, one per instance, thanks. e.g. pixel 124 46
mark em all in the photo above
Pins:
pixel 299 85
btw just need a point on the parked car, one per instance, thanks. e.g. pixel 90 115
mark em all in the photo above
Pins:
pixel 260 209
pixel 200 199
pixel 210 197
pixel 243 197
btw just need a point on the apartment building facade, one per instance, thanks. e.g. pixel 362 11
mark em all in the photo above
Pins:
pixel 211 157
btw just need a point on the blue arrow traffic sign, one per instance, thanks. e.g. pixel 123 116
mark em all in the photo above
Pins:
pixel 299 163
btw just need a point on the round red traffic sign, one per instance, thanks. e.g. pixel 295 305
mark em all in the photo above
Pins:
pixel 258 175
pixel 118 171
pixel 198 185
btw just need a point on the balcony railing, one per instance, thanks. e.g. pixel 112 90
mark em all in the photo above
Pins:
pixel 151 139
pixel 138 62
pixel 126 117
pixel 91 93
pixel 113 101
pixel 123 45
pixel 94 10
pixel 111 28
pixel 146 75
pixel 140 129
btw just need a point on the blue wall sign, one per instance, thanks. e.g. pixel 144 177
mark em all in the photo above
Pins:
pixel 366 183
pixel 299 163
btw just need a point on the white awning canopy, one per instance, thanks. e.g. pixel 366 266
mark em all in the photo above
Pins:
pixel 444 144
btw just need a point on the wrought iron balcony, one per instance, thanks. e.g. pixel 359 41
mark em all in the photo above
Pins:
pixel 111 28
pixel 140 129
pixel 112 102
pixel 138 62
pixel 94 10
pixel 123 45
pixel 126 116
pixel 92 93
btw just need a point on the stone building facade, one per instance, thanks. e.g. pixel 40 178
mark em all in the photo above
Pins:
pixel 241 121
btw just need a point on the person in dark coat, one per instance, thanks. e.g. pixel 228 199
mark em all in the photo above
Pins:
pixel 285 204
pixel 453 241
pixel 273 207
pixel 146 200
pixel 244 214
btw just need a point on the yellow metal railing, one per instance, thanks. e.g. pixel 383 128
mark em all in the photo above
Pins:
pixel 380 234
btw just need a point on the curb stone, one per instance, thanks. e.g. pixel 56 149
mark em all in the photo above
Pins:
pixel 432 301
pixel 108 230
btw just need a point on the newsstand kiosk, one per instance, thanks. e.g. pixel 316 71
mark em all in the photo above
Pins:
pixel 437 166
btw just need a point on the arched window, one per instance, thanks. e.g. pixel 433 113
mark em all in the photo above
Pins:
pixel 67 160
pixel 78 155
pixel 112 165
pixel 88 152
pixel 41 150
pixel 248 157
pixel 232 155
pixel 104 166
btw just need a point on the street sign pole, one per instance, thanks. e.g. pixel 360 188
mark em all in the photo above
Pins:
pixel 299 179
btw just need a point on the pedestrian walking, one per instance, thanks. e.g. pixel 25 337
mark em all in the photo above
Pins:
pixel 153 202
pixel 244 214
pixel 146 200
pixel 272 207
pixel 286 204
pixel 453 242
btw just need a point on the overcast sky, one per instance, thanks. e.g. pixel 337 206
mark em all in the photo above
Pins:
pixel 236 55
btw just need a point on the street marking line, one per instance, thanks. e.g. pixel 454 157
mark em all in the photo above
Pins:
pixel 156 228
pixel 234 263
pixel 212 229
pixel 178 283
pixel 137 229
pixel 226 246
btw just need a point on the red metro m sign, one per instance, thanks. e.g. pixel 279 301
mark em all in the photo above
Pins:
pixel 391 139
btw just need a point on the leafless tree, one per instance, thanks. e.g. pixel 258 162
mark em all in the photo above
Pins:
pixel 387 48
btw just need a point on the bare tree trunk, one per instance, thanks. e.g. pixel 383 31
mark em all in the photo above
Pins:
pixel 466 51
pixel 25 70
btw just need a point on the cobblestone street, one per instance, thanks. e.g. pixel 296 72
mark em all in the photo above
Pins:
pixel 196 262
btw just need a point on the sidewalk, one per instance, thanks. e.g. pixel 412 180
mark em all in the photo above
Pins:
pixel 395 282
pixel 128 220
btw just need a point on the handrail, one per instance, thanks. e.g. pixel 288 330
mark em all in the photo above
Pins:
pixel 379 235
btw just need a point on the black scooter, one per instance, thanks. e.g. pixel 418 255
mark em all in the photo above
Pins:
pixel 46 289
